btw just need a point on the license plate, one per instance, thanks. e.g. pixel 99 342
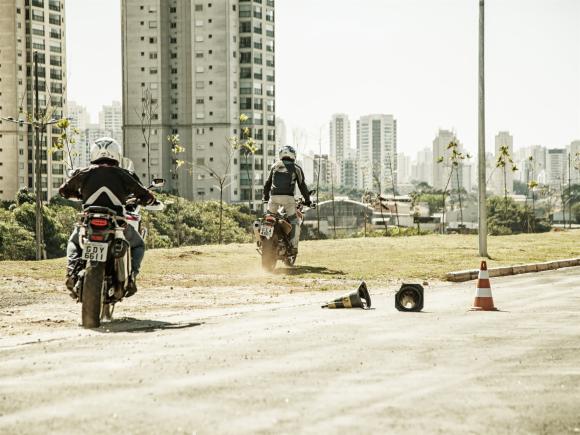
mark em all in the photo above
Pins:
pixel 95 251
pixel 266 231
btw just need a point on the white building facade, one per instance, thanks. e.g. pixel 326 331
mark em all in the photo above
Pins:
pixel 27 27
pixel 200 65
pixel 377 151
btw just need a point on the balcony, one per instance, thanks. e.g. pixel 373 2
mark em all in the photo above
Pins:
pixel 55 34
pixel 54 5
pixel 54 19
pixel 38 3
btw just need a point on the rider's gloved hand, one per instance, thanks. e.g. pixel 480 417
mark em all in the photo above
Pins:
pixel 308 203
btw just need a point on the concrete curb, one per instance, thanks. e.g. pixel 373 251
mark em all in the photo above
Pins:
pixel 467 275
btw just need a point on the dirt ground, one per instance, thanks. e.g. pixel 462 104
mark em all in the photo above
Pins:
pixel 269 360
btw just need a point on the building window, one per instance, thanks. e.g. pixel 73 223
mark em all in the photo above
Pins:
pixel 153 55
pixel 199 85
pixel 152 24
pixel 198 8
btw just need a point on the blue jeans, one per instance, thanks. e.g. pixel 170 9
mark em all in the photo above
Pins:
pixel 73 249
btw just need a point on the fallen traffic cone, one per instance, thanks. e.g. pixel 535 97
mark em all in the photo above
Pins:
pixel 353 300
pixel 483 299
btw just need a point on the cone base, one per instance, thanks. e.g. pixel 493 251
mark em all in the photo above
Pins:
pixel 483 309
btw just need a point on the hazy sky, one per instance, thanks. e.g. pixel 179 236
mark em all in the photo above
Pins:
pixel 415 59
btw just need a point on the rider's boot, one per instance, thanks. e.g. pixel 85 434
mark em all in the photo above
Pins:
pixel 70 285
pixel 131 285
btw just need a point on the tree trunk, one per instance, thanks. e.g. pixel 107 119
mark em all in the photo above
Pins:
pixel 221 213
pixel 459 194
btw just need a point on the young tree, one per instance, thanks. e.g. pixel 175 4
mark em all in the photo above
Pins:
pixel 148 113
pixel 247 148
pixel 376 199
pixel 391 176
pixel 66 142
pixel 453 161
pixel 505 162
pixel 221 174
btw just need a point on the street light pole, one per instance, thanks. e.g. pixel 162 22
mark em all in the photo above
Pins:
pixel 38 167
pixel 481 140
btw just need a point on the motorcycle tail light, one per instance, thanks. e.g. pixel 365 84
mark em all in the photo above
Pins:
pixel 97 237
pixel 270 219
pixel 99 222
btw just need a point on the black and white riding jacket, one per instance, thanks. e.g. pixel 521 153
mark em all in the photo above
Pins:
pixel 105 186
pixel 284 176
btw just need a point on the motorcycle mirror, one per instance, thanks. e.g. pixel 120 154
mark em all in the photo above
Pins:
pixel 158 182
pixel 312 192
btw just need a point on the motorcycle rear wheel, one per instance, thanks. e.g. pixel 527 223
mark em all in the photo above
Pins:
pixel 92 294
pixel 269 254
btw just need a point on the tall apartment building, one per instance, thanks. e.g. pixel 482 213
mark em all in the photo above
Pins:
pixel 531 162
pixel 111 119
pixel 497 184
pixel 192 67
pixel 557 167
pixel 403 168
pixel 339 136
pixel 26 27
pixel 281 133
pixel 441 171
pixel 80 119
pixel 422 167
pixel 376 142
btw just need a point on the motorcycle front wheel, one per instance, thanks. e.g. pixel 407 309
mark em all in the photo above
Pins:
pixel 92 294
pixel 269 254
pixel 290 261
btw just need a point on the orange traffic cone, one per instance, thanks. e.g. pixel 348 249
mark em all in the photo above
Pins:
pixel 483 299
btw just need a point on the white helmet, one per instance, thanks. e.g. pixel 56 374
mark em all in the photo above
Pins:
pixel 106 149
pixel 288 152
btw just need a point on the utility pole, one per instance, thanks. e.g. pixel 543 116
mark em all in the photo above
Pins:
pixel 481 140
pixel 38 168
pixel 569 190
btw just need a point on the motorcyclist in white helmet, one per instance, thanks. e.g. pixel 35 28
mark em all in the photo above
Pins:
pixel 106 184
pixel 279 189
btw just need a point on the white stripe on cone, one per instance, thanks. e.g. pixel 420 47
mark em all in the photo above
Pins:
pixel 483 293
pixel 484 274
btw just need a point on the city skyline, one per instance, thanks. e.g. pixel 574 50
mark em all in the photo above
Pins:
pixel 532 86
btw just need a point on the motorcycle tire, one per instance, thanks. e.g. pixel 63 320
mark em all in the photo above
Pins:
pixel 92 294
pixel 269 254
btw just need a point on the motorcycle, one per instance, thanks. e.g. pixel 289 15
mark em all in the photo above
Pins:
pixel 272 234
pixel 104 269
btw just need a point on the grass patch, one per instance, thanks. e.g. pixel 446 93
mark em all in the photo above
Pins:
pixel 322 264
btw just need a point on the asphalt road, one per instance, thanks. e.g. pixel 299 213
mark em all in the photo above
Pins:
pixel 291 367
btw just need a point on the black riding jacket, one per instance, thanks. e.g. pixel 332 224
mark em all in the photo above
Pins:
pixel 105 186
pixel 284 176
